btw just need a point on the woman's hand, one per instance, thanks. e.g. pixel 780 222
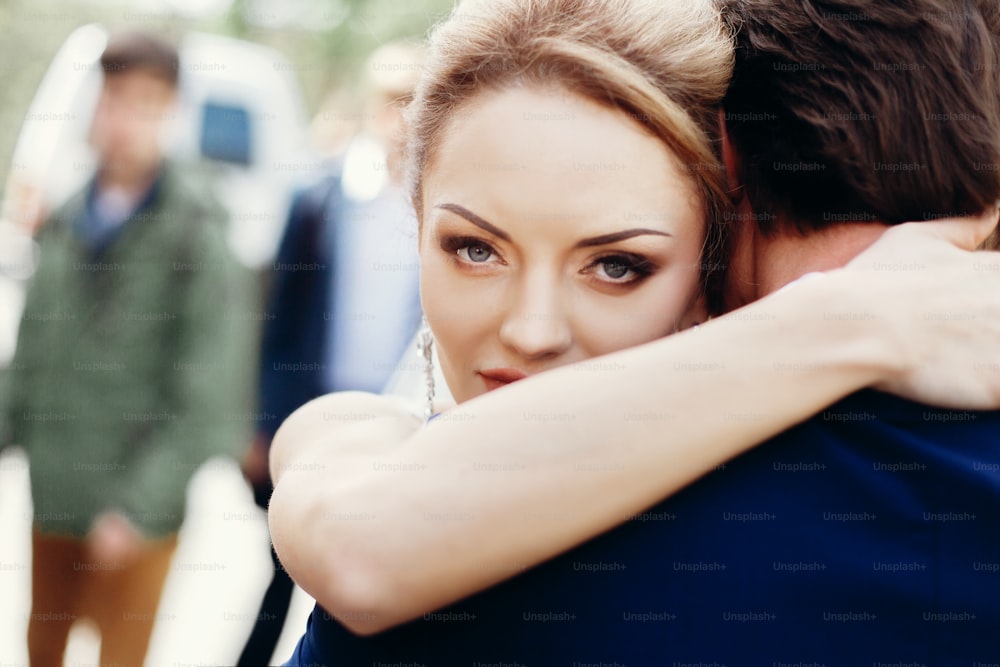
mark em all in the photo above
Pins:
pixel 113 540
pixel 942 304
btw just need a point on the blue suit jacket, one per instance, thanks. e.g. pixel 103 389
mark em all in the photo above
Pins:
pixel 868 535
pixel 294 334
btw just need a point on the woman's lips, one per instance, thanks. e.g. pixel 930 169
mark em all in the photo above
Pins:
pixel 495 378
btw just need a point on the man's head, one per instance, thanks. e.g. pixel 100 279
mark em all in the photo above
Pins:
pixel 848 110
pixel 140 85
pixel 390 76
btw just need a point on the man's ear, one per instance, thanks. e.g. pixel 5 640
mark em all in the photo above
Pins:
pixel 729 157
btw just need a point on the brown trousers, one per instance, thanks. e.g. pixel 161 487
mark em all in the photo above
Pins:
pixel 120 598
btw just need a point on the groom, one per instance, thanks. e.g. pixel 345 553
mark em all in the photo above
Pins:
pixel 866 535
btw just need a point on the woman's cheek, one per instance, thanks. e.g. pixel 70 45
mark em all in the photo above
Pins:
pixel 455 316
pixel 644 315
pixel 448 298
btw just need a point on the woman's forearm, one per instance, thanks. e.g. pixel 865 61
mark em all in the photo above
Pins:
pixel 513 478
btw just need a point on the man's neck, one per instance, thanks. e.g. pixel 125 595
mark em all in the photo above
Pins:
pixel 764 264
pixel 133 182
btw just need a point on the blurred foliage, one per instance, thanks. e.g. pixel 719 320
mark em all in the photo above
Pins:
pixel 326 40
pixel 330 59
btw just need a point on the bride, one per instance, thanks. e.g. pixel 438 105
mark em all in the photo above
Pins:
pixel 571 207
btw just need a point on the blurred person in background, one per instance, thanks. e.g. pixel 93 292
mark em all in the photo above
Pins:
pixel 126 375
pixel 344 293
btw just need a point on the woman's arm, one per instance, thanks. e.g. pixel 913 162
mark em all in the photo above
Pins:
pixel 382 533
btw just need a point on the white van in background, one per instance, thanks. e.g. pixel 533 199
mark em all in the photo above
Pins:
pixel 240 126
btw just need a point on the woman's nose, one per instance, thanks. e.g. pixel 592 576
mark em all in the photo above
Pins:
pixel 537 325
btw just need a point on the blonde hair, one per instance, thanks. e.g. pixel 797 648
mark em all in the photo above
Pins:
pixel 665 63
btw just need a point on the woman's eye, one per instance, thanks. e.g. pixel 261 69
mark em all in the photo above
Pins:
pixel 615 268
pixel 621 269
pixel 470 250
pixel 477 253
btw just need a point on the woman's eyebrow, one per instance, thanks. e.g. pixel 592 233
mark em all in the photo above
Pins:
pixel 619 236
pixel 603 239
pixel 476 220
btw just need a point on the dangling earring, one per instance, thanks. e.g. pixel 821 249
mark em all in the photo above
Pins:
pixel 425 348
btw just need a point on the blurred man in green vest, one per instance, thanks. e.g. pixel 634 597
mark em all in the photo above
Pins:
pixel 127 371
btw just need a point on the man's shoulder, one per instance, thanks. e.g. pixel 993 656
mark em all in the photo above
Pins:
pixel 190 212
pixel 874 407
pixel 314 198
pixel 866 434
pixel 181 188
pixel 63 214
pixel 313 209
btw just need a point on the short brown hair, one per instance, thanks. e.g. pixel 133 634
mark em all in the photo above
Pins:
pixel 665 64
pixel 133 50
pixel 840 110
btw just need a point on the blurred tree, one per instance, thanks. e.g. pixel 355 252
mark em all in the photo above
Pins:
pixel 328 40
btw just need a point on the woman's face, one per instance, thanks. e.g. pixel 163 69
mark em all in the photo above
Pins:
pixel 554 230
